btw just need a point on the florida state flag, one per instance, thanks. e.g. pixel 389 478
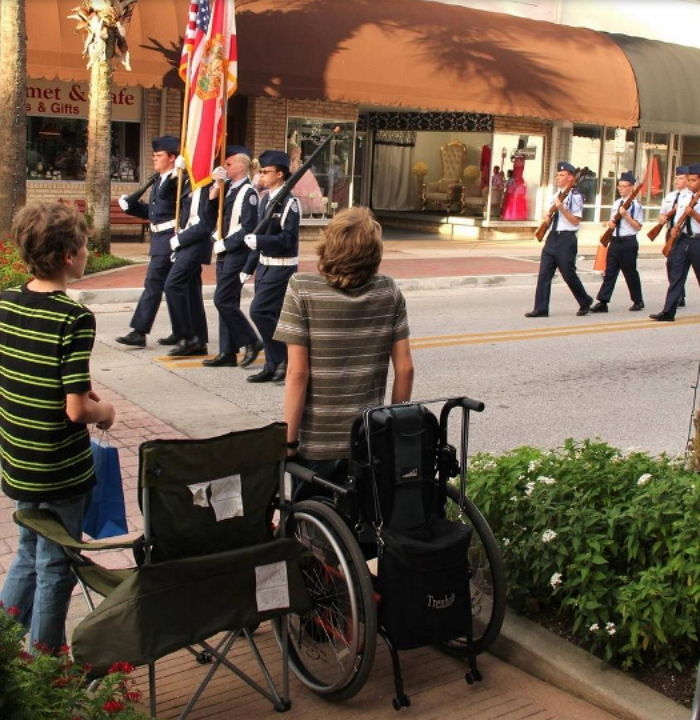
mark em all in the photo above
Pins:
pixel 210 60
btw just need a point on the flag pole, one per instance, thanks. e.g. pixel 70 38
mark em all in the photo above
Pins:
pixel 222 153
pixel 183 140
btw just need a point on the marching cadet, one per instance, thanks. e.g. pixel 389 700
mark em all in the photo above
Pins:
pixel 278 251
pixel 160 210
pixel 624 248
pixel 686 249
pixel 235 261
pixel 191 248
pixel 669 202
pixel 561 246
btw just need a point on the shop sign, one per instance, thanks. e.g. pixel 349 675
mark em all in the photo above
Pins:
pixel 54 98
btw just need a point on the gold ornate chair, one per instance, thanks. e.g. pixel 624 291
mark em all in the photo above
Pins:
pixel 449 189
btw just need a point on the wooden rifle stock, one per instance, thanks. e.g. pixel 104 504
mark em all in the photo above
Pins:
pixel 607 235
pixel 676 229
pixel 654 232
pixel 544 226
pixel 289 184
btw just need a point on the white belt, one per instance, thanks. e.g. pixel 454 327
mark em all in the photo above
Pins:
pixel 278 261
pixel 163 226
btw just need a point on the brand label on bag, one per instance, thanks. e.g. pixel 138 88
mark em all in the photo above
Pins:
pixel 409 473
pixel 441 603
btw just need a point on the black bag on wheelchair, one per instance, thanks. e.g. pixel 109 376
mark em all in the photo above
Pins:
pixel 394 461
pixel 424 584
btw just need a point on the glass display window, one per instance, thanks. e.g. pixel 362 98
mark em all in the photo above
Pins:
pixel 653 149
pixel 328 184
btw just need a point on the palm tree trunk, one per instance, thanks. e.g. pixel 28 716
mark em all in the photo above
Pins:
pixel 13 116
pixel 98 175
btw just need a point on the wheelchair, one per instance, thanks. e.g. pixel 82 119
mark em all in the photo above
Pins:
pixel 395 485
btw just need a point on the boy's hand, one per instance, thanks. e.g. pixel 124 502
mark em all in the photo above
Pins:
pixel 108 420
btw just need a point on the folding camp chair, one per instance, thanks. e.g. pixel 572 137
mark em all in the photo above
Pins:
pixel 209 563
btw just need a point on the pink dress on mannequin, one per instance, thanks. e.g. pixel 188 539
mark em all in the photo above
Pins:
pixel 515 200
pixel 307 190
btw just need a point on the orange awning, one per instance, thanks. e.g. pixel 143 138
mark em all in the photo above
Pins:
pixel 384 53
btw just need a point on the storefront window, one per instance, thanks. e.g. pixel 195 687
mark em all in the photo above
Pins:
pixel 57 131
pixel 690 150
pixel 654 153
pixel 513 193
pixel 327 186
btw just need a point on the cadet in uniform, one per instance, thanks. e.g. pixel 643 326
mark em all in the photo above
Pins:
pixel 234 259
pixel 160 210
pixel 278 251
pixel 561 246
pixel 623 249
pixel 191 248
pixel 686 249
pixel 669 202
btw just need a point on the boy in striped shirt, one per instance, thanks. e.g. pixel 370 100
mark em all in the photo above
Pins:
pixel 46 403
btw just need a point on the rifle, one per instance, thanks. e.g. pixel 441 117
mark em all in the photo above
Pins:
pixel 607 235
pixel 289 184
pixel 654 232
pixel 544 226
pixel 676 229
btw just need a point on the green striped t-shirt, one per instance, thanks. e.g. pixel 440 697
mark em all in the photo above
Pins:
pixel 349 334
pixel 45 345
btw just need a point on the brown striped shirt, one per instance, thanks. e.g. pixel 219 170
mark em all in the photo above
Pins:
pixel 349 334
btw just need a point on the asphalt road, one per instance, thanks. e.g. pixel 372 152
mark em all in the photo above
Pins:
pixel 621 376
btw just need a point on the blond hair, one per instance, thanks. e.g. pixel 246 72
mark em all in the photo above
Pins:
pixel 351 248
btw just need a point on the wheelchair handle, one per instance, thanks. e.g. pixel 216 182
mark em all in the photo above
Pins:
pixel 306 475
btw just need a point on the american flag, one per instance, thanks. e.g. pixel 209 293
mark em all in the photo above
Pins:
pixel 210 58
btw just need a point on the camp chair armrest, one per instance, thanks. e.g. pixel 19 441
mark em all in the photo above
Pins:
pixel 49 525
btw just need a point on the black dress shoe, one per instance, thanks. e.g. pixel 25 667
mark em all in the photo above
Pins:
pixel 600 307
pixel 263 376
pixel 637 306
pixel 537 313
pixel 134 339
pixel 681 302
pixel 172 339
pixel 251 353
pixel 585 309
pixel 221 360
pixel 663 317
pixel 186 348
pixel 280 373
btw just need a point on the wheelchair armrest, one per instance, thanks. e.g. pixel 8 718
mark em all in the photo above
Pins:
pixel 49 525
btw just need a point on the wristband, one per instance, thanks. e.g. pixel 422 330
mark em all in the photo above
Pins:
pixel 294 445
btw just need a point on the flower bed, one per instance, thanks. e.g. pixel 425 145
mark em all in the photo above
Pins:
pixel 605 540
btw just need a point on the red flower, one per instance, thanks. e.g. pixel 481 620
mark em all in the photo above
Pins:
pixel 121 667
pixel 133 696
pixel 13 611
pixel 112 707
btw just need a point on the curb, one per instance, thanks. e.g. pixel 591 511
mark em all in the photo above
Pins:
pixel 530 647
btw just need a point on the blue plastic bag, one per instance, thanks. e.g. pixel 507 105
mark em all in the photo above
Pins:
pixel 105 514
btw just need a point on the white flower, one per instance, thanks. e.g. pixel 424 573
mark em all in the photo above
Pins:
pixel 533 465
pixel 644 479
pixel 505 542
pixel 546 480
pixel 548 536
pixel 521 477
pixel 529 488
pixel 514 498
pixel 610 628
pixel 594 628
pixel 555 580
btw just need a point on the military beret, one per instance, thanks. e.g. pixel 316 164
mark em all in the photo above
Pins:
pixel 274 157
pixel 628 177
pixel 694 169
pixel 566 167
pixel 238 150
pixel 682 170
pixel 166 143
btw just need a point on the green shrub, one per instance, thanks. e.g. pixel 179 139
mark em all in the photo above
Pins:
pixel 13 272
pixel 606 539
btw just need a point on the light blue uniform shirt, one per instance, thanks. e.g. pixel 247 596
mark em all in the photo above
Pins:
pixel 636 213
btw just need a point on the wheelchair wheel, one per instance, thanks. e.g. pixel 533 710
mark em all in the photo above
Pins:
pixel 331 648
pixel 488 583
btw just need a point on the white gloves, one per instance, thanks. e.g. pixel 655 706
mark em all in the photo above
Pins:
pixel 123 203
pixel 215 236
pixel 173 257
pixel 218 173
pixel 180 163
pixel 174 243
pixel 244 276
pixel 251 241
pixel 219 247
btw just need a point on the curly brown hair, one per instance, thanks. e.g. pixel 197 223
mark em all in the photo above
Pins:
pixel 45 233
pixel 351 249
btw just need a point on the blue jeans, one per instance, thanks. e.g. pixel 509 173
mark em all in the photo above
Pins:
pixel 40 583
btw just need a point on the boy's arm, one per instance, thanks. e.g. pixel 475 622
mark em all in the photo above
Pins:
pixel 87 408
pixel 295 389
pixel 403 371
